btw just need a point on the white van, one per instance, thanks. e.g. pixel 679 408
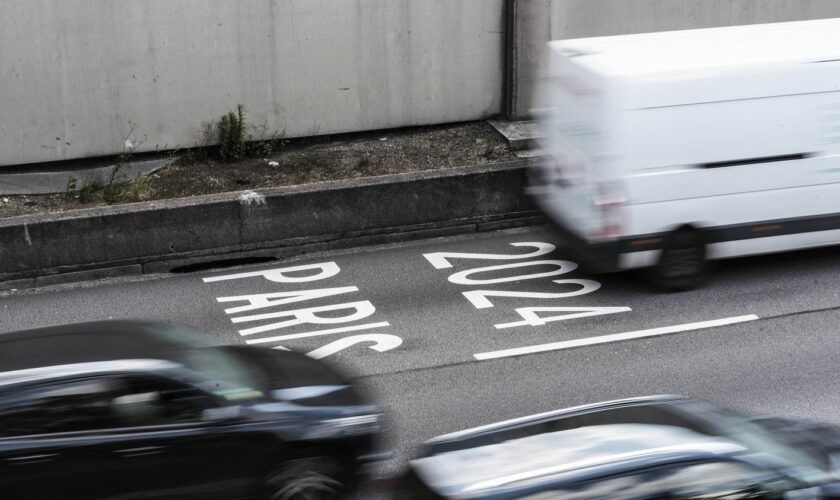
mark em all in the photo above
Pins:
pixel 668 149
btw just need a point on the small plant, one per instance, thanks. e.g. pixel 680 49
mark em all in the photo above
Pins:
pixel 116 187
pixel 235 144
pixel 232 146
pixel 113 187
pixel 137 190
pixel 264 147
pixel 91 188
pixel 268 146
pixel 114 190
pixel 70 190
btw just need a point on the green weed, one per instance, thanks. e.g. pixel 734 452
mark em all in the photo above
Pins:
pixel 236 144
pixel 232 146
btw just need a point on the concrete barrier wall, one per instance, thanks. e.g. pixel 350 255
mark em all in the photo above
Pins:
pixel 537 21
pixel 156 236
pixel 78 77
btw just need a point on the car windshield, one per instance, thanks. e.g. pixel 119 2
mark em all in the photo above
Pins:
pixel 800 462
pixel 216 371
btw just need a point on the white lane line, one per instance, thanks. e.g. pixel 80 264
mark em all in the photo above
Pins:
pixel 616 337
pixel 319 332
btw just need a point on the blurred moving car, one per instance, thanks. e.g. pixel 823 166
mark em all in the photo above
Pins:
pixel 147 410
pixel 666 150
pixel 662 447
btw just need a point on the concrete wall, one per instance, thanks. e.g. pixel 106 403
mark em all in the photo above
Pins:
pixel 78 77
pixel 538 21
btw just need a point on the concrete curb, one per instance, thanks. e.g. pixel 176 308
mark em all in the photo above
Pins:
pixel 156 236
pixel 56 182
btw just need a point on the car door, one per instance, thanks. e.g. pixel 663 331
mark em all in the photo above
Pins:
pixel 173 452
pixel 47 432
pixel 719 479
pixel 29 460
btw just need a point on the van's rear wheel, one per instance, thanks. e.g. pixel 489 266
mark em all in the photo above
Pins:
pixel 682 264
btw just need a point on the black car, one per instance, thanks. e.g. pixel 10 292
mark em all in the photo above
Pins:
pixel 658 447
pixel 119 410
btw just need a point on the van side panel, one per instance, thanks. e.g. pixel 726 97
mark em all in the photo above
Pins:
pixel 697 134
pixel 718 187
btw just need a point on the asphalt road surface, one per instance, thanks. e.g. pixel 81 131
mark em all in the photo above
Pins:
pixel 457 332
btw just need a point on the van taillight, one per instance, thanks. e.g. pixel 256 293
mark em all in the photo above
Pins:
pixel 609 202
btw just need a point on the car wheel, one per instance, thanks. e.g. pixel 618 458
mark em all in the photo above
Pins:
pixel 682 264
pixel 308 478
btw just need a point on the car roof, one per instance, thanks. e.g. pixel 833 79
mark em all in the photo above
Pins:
pixel 90 342
pixel 50 373
pixel 554 415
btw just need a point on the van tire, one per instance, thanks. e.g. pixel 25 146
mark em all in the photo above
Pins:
pixel 682 263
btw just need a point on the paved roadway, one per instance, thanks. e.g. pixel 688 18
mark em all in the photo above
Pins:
pixel 762 336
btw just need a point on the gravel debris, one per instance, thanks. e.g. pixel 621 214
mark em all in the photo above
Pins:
pixel 302 161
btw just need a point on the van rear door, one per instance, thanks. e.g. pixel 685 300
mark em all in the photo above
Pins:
pixel 574 184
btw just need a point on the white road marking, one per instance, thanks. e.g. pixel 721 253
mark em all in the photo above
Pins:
pixel 381 343
pixel 617 337
pixel 318 332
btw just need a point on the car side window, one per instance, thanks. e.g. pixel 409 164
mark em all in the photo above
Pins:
pixel 712 479
pixel 148 401
pixel 70 406
pixel 731 480
pixel 100 404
